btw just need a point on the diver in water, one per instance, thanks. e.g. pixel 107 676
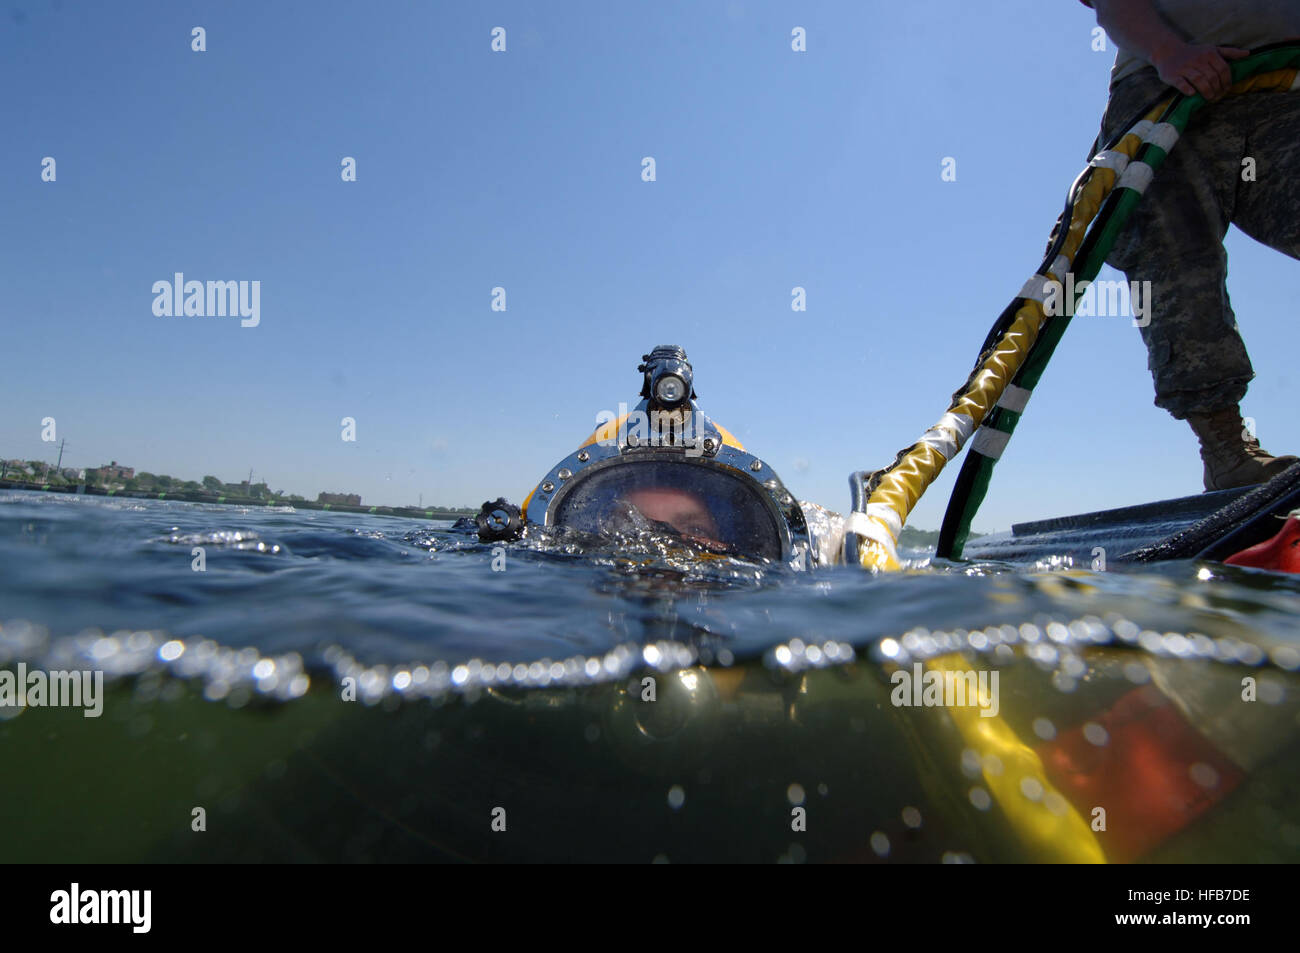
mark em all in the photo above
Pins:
pixel 667 474
pixel 665 477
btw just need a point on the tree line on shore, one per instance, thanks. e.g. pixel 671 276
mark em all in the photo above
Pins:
pixel 38 471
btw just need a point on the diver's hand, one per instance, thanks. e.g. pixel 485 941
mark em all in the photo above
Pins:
pixel 1193 68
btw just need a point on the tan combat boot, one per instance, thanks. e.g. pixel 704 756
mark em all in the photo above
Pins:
pixel 1232 456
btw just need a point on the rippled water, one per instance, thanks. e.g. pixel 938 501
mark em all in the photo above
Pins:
pixel 512 678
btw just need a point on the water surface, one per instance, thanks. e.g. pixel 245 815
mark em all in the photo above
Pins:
pixel 512 676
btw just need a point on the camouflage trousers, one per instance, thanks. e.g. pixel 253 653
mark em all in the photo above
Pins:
pixel 1174 238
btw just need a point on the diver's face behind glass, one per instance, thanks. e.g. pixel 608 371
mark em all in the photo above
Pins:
pixel 709 507
pixel 684 511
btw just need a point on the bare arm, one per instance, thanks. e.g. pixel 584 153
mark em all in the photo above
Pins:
pixel 1137 26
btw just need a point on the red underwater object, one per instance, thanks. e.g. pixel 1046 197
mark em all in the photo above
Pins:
pixel 1153 771
pixel 1281 553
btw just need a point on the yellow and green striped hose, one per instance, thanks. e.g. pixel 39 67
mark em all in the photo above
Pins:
pixel 1018 347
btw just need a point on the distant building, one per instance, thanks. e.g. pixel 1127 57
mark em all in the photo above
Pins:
pixel 111 472
pixel 72 473
pixel 243 489
pixel 352 499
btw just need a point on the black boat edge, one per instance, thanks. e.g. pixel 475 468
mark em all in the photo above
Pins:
pixel 1210 526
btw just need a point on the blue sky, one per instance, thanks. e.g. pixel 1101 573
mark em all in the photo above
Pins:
pixel 522 169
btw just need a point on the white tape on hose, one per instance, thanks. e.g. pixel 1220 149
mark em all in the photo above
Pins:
pixel 1014 398
pixel 989 442
pixel 1110 159
pixel 885 513
pixel 1163 135
pixel 867 528
pixel 1035 289
pixel 1136 177
pixel 949 434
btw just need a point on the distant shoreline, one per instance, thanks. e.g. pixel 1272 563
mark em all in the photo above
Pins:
pixel 188 496
pixel 917 538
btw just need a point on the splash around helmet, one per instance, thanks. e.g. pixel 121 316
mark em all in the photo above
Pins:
pixel 665 467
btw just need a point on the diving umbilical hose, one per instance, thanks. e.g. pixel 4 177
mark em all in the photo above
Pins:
pixel 1022 340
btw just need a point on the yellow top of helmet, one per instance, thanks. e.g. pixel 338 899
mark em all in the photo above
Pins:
pixel 609 431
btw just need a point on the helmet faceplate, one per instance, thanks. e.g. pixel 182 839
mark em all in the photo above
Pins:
pixel 675 467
